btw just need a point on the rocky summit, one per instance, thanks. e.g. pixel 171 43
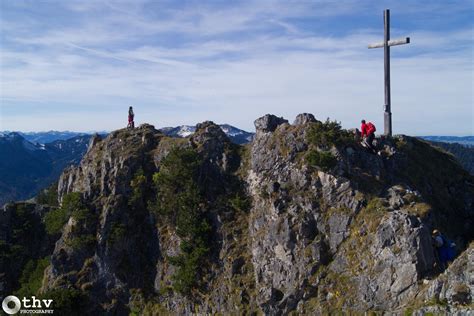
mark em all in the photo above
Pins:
pixel 302 220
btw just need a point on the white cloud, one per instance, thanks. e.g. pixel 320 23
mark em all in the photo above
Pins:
pixel 98 69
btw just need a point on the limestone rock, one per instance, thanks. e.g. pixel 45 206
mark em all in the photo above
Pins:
pixel 268 123
pixel 304 118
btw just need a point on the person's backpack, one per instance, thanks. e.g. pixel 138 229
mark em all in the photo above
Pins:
pixel 371 128
pixel 450 248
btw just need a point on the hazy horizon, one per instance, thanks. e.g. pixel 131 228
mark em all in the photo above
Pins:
pixel 160 127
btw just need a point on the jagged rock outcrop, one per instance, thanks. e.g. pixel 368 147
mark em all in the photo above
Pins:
pixel 89 255
pixel 371 253
pixel 268 123
pixel 108 166
pixel 289 240
pixel 302 220
pixel 304 118
pixel 305 220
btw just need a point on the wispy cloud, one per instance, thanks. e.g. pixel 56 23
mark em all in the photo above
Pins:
pixel 226 62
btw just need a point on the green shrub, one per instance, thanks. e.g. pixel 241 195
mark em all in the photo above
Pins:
pixel 328 134
pixel 376 205
pixel 117 232
pixel 188 264
pixel 180 200
pixel 72 201
pixel 84 216
pixel 54 221
pixel 32 277
pixel 323 159
pixel 240 202
pixel 74 207
pixel 178 175
pixel 48 196
pixel 138 185
pixel 84 232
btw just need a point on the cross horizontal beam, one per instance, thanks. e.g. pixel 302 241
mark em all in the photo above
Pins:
pixel 391 43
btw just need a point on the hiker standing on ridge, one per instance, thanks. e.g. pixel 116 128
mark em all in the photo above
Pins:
pixel 367 131
pixel 131 115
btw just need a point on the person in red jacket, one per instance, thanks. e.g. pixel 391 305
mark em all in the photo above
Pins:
pixel 367 131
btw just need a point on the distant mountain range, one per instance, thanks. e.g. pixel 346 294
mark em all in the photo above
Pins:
pixel 235 134
pixel 51 136
pixel 463 140
pixel 47 137
pixel 26 167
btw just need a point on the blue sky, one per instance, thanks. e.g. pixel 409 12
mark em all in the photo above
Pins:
pixel 78 65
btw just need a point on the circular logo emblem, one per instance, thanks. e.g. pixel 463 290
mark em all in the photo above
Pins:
pixel 11 300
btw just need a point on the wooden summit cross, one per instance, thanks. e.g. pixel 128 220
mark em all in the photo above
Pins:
pixel 386 47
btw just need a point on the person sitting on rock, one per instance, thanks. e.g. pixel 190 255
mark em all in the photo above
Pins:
pixel 131 115
pixel 367 132
pixel 444 248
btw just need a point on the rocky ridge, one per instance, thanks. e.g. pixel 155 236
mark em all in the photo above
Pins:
pixel 302 220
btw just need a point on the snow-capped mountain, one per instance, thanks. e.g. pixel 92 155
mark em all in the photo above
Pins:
pixel 235 134
pixel 179 131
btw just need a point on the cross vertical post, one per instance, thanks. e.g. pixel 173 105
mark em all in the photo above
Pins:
pixel 386 52
pixel 386 48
